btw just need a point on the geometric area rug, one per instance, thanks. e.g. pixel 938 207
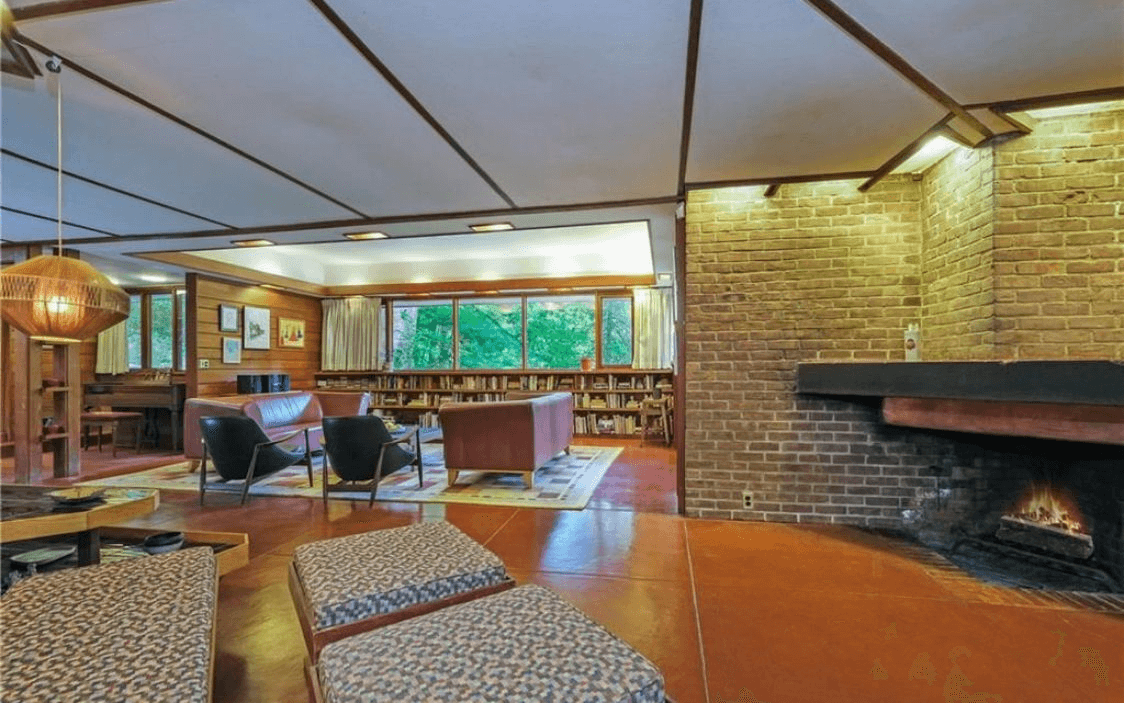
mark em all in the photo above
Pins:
pixel 566 482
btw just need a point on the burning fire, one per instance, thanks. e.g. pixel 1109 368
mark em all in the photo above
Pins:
pixel 1046 506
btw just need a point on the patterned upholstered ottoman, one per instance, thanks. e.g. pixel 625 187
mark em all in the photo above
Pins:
pixel 525 645
pixel 136 630
pixel 351 584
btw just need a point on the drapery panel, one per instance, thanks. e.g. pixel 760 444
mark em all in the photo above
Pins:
pixel 653 327
pixel 113 350
pixel 351 335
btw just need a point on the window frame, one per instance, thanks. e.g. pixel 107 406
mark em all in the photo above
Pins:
pixel 597 294
pixel 179 360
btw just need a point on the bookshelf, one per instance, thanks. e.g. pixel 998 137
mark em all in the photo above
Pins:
pixel 606 401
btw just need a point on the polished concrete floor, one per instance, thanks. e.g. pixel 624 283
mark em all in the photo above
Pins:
pixel 745 612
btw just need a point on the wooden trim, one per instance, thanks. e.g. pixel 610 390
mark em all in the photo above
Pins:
pixel 780 180
pixel 365 51
pixel 235 556
pixel 21 63
pixel 57 8
pixel 907 151
pixel 772 189
pixel 401 219
pixel 1100 424
pixel 1019 121
pixel 191 370
pixel 1079 97
pixel 950 132
pixel 679 417
pixel 316 640
pixel 129 95
pixel 497 285
pixel 68 223
pixel 894 60
pixel 691 73
pixel 114 189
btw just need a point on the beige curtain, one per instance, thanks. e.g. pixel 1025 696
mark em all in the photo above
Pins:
pixel 351 335
pixel 113 350
pixel 653 328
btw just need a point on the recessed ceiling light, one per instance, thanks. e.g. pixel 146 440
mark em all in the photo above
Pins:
pixel 252 243
pixel 365 235
pixel 491 227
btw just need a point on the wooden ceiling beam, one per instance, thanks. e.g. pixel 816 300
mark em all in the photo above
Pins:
pixel 383 70
pixel 693 31
pixel 1080 97
pixel 53 220
pixel 895 61
pixel 57 8
pixel 779 180
pixel 772 189
pixel 133 97
pixel 363 223
pixel 907 151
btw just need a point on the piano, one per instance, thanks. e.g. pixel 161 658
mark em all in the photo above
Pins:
pixel 140 394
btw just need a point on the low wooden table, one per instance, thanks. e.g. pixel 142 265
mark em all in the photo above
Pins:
pixel 109 417
pixel 28 512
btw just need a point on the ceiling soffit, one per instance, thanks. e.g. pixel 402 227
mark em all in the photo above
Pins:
pixel 294 93
pixel 995 50
pixel 765 105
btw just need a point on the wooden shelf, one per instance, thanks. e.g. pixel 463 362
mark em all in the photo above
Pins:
pixel 54 436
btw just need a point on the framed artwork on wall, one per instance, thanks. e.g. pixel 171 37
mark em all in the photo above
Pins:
pixel 290 333
pixel 228 318
pixel 231 350
pixel 255 333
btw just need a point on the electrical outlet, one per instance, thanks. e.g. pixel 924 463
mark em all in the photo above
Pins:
pixel 204 363
pixel 747 500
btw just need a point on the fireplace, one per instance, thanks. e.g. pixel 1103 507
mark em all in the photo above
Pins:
pixel 1029 513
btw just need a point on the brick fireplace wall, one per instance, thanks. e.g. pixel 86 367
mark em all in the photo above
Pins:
pixel 823 272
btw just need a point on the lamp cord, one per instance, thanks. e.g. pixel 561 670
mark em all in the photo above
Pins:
pixel 54 65
pixel 58 141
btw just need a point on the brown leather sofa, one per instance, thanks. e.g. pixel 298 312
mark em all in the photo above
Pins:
pixel 518 435
pixel 277 413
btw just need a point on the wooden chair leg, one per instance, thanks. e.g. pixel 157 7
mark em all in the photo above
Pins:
pixel 421 470
pixel 324 478
pixel 376 477
pixel 452 476
pixel 202 475
pixel 250 474
pixel 308 457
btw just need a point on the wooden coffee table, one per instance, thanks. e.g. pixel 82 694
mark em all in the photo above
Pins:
pixel 29 512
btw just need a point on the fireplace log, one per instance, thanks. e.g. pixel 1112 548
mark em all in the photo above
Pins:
pixel 1045 537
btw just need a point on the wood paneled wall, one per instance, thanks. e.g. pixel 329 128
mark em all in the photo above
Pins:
pixel 206 342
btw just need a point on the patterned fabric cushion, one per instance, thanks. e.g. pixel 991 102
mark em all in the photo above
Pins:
pixel 137 630
pixel 526 644
pixel 352 578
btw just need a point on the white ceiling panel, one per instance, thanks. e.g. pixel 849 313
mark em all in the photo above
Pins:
pixel 16 227
pixel 32 188
pixel 782 91
pixel 110 139
pixel 992 50
pixel 577 101
pixel 230 67
pixel 616 249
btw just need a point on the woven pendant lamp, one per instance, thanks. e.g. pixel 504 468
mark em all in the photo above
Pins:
pixel 58 299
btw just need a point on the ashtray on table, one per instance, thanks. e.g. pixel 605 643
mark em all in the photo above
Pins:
pixel 162 542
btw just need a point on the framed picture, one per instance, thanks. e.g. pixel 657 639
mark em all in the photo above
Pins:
pixel 290 333
pixel 228 318
pixel 255 332
pixel 231 350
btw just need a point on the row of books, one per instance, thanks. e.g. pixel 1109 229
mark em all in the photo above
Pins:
pixel 593 423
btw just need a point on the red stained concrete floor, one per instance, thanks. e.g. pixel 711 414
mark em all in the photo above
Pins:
pixel 745 612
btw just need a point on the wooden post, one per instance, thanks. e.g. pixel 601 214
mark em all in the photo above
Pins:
pixel 27 425
pixel 68 410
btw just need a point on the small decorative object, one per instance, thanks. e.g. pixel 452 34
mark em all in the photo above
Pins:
pixel 162 542
pixel 587 363
pixel 913 343
pixel 78 495
pixel 256 324
pixel 231 350
pixel 228 318
pixel 44 556
pixel 290 332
